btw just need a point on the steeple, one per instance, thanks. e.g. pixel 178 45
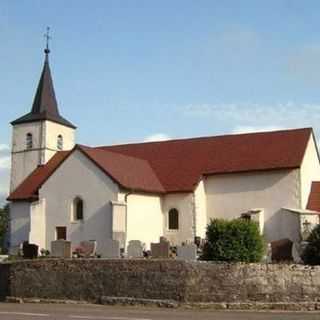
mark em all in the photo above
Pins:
pixel 44 105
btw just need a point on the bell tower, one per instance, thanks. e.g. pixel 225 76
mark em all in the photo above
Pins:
pixel 42 132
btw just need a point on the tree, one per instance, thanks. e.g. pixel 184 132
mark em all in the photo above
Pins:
pixel 311 254
pixel 236 240
pixel 4 227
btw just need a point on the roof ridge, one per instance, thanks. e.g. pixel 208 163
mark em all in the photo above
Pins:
pixel 113 152
pixel 203 137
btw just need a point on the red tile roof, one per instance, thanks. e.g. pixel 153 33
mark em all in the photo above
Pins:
pixel 314 197
pixel 178 165
pixel 128 172
pixel 28 189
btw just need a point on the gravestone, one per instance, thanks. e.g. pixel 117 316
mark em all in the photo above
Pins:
pixel 161 249
pixel 135 249
pixel 88 248
pixel 29 250
pixel 112 249
pixel 296 253
pixel 269 253
pixel 282 250
pixel 61 249
pixel 187 252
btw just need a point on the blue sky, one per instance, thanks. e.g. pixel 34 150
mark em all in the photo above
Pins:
pixel 131 70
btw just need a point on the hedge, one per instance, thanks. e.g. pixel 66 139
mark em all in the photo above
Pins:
pixel 236 240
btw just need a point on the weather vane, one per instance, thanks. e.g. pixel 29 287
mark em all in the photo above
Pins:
pixel 47 36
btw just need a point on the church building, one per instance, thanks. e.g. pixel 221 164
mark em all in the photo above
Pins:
pixel 141 191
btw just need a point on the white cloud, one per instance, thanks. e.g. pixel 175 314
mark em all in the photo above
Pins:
pixel 157 137
pixel 4 185
pixel 4 157
pixel 257 117
pixel 278 115
pixel 5 162
pixel 249 129
pixel 4 147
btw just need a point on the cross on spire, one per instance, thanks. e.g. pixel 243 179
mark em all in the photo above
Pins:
pixel 48 37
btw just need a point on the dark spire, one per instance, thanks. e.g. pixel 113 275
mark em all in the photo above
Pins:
pixel 45 105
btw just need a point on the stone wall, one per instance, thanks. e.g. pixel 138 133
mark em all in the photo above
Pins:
pixel 90 280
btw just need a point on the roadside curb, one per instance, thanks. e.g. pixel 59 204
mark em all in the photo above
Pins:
pixel 231 306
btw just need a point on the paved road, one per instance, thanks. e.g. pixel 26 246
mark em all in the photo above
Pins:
pixel 93 312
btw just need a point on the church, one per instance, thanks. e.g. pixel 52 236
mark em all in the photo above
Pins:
pixel 142 191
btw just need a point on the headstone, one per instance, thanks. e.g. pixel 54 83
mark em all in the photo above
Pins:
pixel 135 249
pixel 163 239
pixel 61 249
pixel 187 252
pixel 88 248
pixel 296 253
pixel 112 249
pixel 29 250
pixel 281 250
pixel 269 253
pixel 161 249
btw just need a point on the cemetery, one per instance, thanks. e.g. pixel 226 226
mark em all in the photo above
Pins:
pixel 221 236
pixel 165 275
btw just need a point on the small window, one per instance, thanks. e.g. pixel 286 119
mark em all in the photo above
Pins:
pixel 61 233
pixel 60 142
pixel 29 142
pixel 77 209
pixel 173 219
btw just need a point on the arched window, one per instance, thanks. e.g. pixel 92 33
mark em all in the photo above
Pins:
pixel 29 142
pixel 59 142
pixel 77 209
pixel 173 219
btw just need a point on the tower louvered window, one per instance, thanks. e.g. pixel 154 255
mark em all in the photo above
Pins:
pixel 29 142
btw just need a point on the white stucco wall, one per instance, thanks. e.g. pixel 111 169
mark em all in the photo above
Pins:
pixel 52 130
pixel 292 219
pixel 309 171
pixel 38 223
pixel 185 204
pixel 119 222
pixel 200 209
pixel 78 176
pixel 144 218
pixel 44 137
pixel 230 195
pixel 23 161
pixel 19 223
pixel 19 133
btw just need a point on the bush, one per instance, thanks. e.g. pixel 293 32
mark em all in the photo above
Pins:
pixel 311 254
pixel 4 228
pixel 233 241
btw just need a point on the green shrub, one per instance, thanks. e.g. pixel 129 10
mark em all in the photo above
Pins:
pixel 4 228
pixel 311 254
pixel 236 240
